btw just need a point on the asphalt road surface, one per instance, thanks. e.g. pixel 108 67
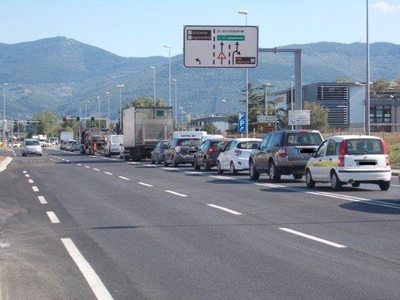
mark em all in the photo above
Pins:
pixel 89 227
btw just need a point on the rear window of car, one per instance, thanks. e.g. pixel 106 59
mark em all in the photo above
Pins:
pixel 364 146
pixel 303 139
pixel 189 142
pixel 32 143
pixel 248 145
pixel 218 144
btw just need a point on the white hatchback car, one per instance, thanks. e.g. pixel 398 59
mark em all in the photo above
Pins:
pixel 235 156
pixel 350 159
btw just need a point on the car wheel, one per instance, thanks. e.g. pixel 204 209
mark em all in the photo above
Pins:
pixel 384 185
pixel 232 168
pixel 158 161
pixel 174 162
pixel 309 181
pixel 273 172
pixel 335 182
pixel 254 175
pixel 355 184
pixel 195 165
pixel 219 170
pixel 206 165
pixel 297 176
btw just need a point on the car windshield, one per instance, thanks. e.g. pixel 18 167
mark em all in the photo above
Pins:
pixel 364 146
pixel 32 143
pixel 303 138
pixel 117 139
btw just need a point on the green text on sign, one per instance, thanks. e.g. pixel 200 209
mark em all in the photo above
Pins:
pixel 230 37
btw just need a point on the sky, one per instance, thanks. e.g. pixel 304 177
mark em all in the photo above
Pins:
pixel 140 28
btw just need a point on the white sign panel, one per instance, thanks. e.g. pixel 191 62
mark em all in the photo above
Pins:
pixel 299 117
pixel 220 46
pixel 267 119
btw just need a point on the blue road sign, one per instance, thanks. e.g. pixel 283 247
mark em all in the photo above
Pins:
pixel 242 121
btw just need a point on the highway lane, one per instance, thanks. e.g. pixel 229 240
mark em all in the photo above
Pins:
pixel 171 233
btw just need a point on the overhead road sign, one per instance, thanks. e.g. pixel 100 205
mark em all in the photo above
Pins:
pixel 220 46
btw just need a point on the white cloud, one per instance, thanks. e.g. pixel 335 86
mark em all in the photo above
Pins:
pixel 386 8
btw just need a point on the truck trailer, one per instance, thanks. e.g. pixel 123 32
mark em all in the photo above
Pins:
pixel 143 127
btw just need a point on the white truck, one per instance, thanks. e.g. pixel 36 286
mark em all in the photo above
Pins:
pixel 113 144
pixel 143 127
pixel 66 135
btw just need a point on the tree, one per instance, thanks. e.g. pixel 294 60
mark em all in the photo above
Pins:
pixel 211 128
pixel 379 86
pixel 256 103
pixel 318 116
pixel 47 121
pixel 343 80
pixel 144 101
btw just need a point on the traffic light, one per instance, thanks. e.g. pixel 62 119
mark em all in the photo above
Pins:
pixel 64 118
pixel 78 119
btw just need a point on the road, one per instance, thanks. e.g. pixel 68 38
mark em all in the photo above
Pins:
pixel 85 227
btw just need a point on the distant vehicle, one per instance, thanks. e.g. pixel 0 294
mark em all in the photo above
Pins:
pixel 66 135
pixel 157 155
pixel 189 134
pixel 31 146
pixel 92 141
pixel 208 153
pixel 235 156
pixel 68 145
pixel 350 159
pixel 143 128
pixel 113 144
pixel 62 144
pixel 76 146
pixel 284 152
pixel 181 151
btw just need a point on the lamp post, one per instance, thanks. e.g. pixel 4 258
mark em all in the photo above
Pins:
pixel 174 80
pixel 182 112
pixel 267 84
pixel 108 108
pixel 169 64
pixel 120 86
pixel 223 100
pixel 291 96
pixel 98 98
pixel 245 13
pixel 367 92
pixel 154 85
pixel 4 111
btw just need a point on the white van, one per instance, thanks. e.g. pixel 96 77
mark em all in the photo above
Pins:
pixel 189 134
pixel 113 144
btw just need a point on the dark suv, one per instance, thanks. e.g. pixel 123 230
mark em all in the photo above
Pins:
pixel 181 151
pixel 284 152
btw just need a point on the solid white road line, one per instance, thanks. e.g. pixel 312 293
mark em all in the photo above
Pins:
pixel 145 184
pixel 108 173
pixel 175 193
pixel 90 275
pixel 313 238
pixel 42 200
pixel 35 189
pixel 30 181
pixel 225 209
pixel 53 218
pixel 124 178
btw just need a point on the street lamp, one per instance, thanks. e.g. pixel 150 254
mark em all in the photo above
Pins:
pixel 174 80
pixel 245 13
pixel 169 63
pixel 120 86
pixel 223 100
pixel 182 112
pixel 98 98
pixel 267 84
pixel 154 85
pixel 291 96
pixel 4 111
pixel 367 96
pixel 108 108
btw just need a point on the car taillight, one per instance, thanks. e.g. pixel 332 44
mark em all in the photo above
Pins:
pixel 211 150
pixel 177 149
pixel 282 152
pixel 342 153
pixel 237 152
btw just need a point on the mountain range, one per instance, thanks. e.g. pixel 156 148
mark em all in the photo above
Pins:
pixel 67 76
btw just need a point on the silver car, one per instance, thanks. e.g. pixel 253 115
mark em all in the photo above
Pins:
pixel 31 146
